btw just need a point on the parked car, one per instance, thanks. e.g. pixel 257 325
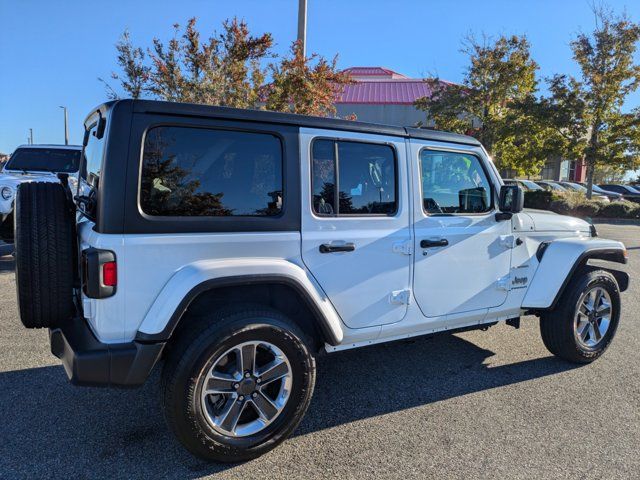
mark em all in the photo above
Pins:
pixel 526 185
pixel 33 163
pixel 576 187
pixel 612 196
pixel 237 245
pixel 551 186
pixel 627 192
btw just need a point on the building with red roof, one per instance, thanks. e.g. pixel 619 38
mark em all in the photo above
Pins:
pixel 381 95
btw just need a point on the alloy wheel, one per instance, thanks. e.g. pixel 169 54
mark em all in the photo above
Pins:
pixel 246 388
pixel 593 316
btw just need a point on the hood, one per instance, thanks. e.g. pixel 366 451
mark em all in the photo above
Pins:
pixel 545 221
pixel 13 177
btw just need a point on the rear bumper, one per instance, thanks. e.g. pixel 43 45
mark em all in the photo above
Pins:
pixel 89 362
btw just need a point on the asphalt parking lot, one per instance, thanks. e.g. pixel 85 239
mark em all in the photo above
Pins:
pixel 489 404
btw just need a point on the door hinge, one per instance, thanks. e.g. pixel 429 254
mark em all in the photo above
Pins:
pixel 400 297
pixel 404 247
pixel 503 283
pixel 508 241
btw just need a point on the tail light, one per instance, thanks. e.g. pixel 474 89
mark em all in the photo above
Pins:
pixel 110 274
pixel 99 273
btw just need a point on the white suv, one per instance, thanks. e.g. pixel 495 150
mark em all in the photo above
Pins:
pixel 233 246
pixel 33 163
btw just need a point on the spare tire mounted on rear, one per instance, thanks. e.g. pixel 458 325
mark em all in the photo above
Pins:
pixel 45 254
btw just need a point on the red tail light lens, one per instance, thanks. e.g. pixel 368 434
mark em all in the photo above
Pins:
pixel 110 274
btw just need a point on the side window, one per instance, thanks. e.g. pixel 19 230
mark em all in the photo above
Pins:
pixel 206 172
pixel 366 178
pixel 92 161
pixel 324 177
pixel 454 183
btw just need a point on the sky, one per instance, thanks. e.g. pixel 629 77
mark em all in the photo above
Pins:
pixel 53 52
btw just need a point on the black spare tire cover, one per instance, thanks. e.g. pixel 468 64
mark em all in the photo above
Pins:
pixel 45 254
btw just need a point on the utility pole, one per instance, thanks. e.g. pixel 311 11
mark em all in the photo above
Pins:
pixel 66 126
pixel 31 136
pixel 302 25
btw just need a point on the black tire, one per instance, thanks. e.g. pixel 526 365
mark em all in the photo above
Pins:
pixel 194 352
pixel 557 326
pixel 44 245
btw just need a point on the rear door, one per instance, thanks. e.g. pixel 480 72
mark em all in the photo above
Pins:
pixel 356 238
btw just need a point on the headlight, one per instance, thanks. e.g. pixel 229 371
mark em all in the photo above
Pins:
pixel 73 183
pixel 6 193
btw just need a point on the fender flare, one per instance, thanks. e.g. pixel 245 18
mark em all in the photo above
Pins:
pixel 559 261
pixel 192 280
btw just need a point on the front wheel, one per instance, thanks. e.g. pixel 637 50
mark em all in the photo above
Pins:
pixel 585 321
pixel 237 384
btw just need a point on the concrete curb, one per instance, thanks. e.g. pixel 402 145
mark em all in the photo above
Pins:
pixel 618 221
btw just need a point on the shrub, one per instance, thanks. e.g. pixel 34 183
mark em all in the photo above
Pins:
pixel 587 208
pixel 618 210
pixel 539 199
pixel 635 212
pixel 561 206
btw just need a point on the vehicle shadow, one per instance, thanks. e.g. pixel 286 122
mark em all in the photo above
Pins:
pixel 48 425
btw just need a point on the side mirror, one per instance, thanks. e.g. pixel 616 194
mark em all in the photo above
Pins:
pixel 511 199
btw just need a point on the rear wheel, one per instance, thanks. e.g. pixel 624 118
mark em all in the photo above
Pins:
pixel 237 384
pixel 582 326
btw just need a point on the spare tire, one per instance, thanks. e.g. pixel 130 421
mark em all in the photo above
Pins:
pixel 45 254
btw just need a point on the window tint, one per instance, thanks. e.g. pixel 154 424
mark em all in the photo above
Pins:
pixel 206 172
pixel 366 178
pixel 453 183
pixel 92 157
pixel 324 177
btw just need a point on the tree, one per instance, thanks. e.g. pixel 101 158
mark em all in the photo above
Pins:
pixel 307 85
pixel 227 69
pixel 223 70
pixel 492 102
pixel 587 113
pixel 135 74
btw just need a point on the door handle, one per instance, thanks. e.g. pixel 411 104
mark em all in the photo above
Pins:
pixel 443 242
pixel 329 248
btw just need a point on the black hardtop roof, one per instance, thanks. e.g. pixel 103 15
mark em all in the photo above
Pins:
pixel 190 109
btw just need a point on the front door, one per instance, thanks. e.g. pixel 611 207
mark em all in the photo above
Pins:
pixel 463 253
pixel 356 239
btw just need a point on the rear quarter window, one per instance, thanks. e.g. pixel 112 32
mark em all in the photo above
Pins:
pixel 192 172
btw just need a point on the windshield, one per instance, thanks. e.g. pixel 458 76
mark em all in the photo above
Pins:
pixel 575 186
pixel 44 160
pixel 531 185
pixel 632 189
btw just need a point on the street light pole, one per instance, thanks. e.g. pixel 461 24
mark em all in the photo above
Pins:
pixel 66 126
pixel 302 25
pixel 31 136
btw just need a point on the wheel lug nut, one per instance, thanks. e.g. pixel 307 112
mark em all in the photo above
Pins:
pixel 240 398
pixel 258 380
pixel 254 395
pixel 247 375
pixel 236 385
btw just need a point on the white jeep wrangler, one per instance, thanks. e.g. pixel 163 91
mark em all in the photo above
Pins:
pixel 33 163
pixel 233 246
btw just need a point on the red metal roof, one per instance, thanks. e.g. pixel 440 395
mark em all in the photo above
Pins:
pixel 395 92
pixel 388 87
pixel 373 72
